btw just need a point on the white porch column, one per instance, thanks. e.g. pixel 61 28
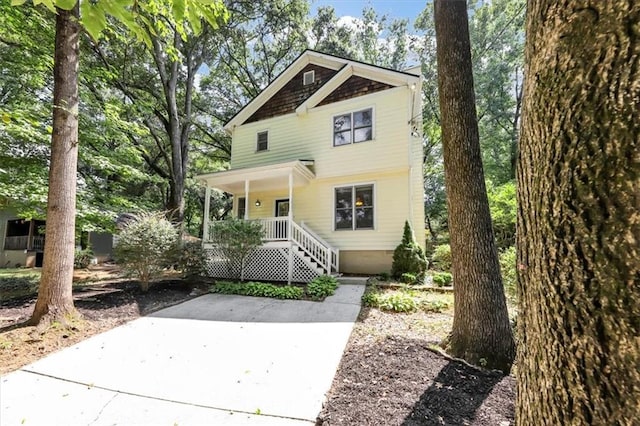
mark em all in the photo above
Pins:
pixel 246 200
pixel 289 227
pixel 205 222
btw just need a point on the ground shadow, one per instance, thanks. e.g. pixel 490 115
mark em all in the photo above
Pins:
pixel 454 396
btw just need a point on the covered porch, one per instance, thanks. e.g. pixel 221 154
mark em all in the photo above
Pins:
pixel 291 251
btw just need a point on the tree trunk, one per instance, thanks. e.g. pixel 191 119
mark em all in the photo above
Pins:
pixel 481 331
pixel 55 301
pixel 578 215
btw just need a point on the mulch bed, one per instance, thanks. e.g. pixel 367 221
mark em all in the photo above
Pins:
pixel 396 378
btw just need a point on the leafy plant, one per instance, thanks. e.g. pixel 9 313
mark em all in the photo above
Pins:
pixel 322 287
pixel 502 204
pixel 82 258
pixel 384 276
pixel 509 272
pixel 395 301
pixel 237 239
pixel 258 289
pixel 191 258
pixel 408 278
pixel 441 279
pixel 435 306
pixel 441 258
pixel 408 257
pixel 145 245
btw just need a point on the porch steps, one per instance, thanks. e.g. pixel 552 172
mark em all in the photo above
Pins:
pixel 309 261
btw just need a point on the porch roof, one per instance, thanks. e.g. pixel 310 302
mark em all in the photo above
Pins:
pixel 261 178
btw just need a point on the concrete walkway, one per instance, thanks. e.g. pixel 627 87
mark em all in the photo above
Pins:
pixel 214 360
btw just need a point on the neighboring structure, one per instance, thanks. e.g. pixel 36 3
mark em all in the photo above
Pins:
pixel 329 158
pixel 21 241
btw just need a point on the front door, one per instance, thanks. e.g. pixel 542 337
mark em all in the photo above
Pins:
pixel 282 208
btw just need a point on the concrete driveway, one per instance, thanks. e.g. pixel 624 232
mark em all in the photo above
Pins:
pixel 214 360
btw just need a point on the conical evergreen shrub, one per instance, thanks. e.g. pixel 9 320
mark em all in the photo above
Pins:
pixel 409 257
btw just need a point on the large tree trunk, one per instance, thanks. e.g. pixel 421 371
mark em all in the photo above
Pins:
pixel 55 301
pixel 481 331
pixel 578 216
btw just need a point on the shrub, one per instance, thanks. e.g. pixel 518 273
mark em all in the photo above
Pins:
pixel 237 239
pixel 322 287
pixel 435 306
pixel 442 257
pixel 82 258
pixel 408 278
pixel 258 289
pixel 190 259
pixel 502 204
pixel 509 272
pixel 145 246
pixel 384 276
pixel 408 257
pixel 441 279
pixel 393 301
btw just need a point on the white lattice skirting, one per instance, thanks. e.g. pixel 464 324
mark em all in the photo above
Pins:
pixel 263 264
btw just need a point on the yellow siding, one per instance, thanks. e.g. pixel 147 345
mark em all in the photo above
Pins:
pixel 392 162
pixel 310 137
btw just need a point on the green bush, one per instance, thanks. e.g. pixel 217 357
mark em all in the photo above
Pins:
pixel 408 257
pixel 384 276
pixel 441 279
pixel 82 258
pixel 408 278
pixel 190 259
pixel 435 306
pixel 258 289
pixel 237 239
pixel 502 204
pixel 509 272
pixel 146 246
pixel 394 301
pixel 441 258
pixel 322 287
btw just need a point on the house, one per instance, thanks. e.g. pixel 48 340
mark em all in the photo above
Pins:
pixel 329 158
pixel 21 240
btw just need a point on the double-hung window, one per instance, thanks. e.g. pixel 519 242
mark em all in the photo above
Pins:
pixel 262 143
pixel 353 127
pixel 354 207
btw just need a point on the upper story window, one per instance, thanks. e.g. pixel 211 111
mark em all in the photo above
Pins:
pixel 353 127
pixel 354 207
pixel 262 143
pixel 308 78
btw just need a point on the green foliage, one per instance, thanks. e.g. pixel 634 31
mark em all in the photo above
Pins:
pixel 441 258
pixel 502 204
pixel 509 272
pixel 322 287
pixel 441 279
pixel 145 246
pixel 258 289
pixel 408 278
pixel 408 257
pixel 237 239
pixel 384 276
pixel 82 258
pixel 191 258
pixel 404 301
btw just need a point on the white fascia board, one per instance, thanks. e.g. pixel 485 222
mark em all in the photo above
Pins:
pixel 313 100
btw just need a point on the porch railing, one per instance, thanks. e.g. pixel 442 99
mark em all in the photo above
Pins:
pixel 24 242
pixel 278 229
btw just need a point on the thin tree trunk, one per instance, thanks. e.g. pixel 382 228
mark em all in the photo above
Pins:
pixel 55 301
pixel 481 331
pixel 578 234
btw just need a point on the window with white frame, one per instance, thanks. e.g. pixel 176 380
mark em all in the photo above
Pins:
pixel 353 127
pixel 308 77
pixel 354 207
pixel 262 143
